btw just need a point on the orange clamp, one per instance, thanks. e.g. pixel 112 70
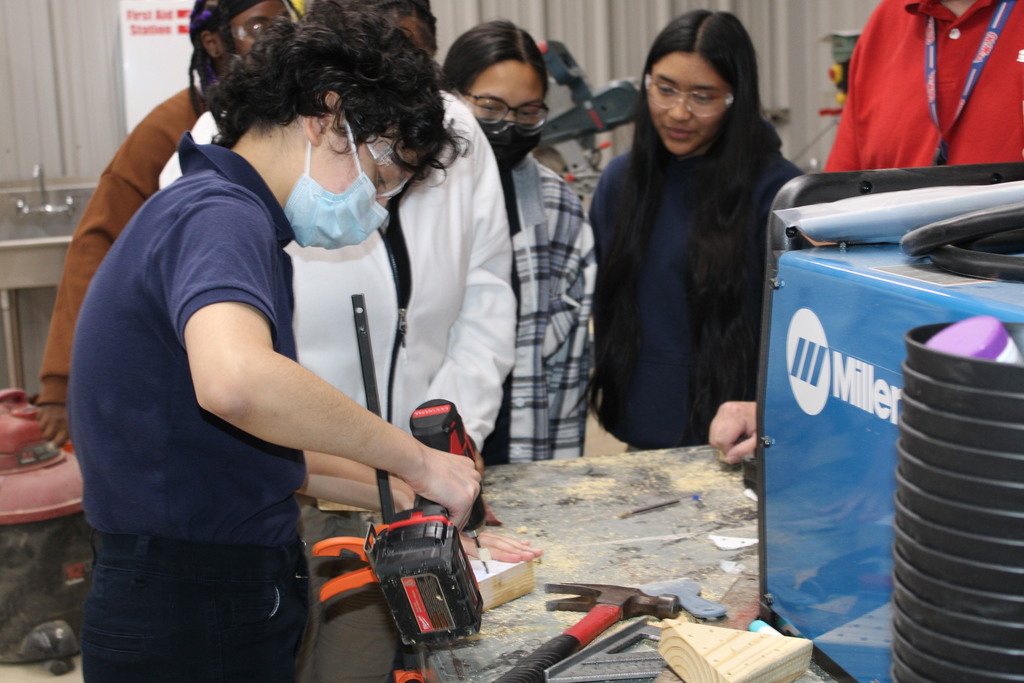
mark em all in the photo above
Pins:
pixel 334 547
pixel 347 582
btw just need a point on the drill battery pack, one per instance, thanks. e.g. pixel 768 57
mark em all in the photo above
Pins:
pixel 426 577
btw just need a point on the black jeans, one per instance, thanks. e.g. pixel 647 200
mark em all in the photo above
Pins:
pixel 175 611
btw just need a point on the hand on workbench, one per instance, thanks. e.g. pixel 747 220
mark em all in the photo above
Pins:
pixel 53 421
pixel 502 549
pixel 734 430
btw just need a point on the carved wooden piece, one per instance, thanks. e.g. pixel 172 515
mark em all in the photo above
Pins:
pixel 710 654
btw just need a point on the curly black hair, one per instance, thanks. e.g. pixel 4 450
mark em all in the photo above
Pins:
pixel 214 16
pixel 413 9
pixel 385 85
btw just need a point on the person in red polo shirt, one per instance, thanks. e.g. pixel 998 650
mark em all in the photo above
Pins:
pixel 974 116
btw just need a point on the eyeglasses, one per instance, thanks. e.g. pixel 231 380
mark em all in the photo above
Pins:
pixel 252 27
pixel 390 178
pixel 529 118
pixel 698 102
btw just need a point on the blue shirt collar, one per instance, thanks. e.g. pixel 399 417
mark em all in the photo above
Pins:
pixel 221 160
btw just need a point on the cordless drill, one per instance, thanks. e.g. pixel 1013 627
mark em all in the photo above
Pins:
pixel 418 558
pixel 437 424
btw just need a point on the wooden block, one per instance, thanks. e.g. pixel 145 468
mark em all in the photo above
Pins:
pixel 710 654
pixel 503 582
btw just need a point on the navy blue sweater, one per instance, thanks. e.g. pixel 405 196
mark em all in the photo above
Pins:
pixel 658 400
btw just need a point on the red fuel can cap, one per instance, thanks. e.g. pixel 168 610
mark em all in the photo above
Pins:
pixel 37 481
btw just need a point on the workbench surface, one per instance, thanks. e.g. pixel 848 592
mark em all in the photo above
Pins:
pixel 571 508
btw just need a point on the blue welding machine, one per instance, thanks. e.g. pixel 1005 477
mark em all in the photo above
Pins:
pixel 830 397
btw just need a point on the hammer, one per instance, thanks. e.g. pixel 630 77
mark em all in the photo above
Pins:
pixel 604 605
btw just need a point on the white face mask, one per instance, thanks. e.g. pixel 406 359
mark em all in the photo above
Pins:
pixel 321 218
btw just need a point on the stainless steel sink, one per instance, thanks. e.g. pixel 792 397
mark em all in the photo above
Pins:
pixel 32 262
pixel 41 207
pixel 37 219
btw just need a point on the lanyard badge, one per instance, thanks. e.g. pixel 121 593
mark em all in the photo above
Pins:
pixel 988 43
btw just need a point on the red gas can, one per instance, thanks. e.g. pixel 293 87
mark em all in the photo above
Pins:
pixel 45 555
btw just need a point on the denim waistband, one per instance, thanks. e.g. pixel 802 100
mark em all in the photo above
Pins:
pixel 199 560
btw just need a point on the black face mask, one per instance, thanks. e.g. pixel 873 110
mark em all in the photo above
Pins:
pixel 510 145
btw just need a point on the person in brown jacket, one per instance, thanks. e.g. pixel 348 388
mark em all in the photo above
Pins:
pixel 218 32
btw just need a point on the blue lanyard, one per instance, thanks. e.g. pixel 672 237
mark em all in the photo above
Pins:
pixel 988 43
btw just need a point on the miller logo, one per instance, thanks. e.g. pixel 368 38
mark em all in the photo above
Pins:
pixel 810 372
pixel 816 371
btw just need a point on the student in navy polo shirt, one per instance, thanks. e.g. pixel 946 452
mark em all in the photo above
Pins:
pixel 187 409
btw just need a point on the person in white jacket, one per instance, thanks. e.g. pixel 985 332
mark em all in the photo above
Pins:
pixel 454 336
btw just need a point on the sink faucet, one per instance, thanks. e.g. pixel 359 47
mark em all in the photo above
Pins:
pixel 22 207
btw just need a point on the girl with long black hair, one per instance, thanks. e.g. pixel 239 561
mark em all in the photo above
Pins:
pixel 679 224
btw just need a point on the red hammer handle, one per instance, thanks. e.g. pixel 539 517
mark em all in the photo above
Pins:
pixel 598 620
pixel 531 668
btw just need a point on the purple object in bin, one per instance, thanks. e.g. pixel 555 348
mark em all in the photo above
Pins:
pixel 982 336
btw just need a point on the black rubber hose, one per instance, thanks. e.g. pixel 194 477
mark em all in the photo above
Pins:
pixel 965 228
pixel 530 669
pixel 979 264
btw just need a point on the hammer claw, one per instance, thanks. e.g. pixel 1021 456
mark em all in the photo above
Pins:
pixel 575 588
pixel 578 604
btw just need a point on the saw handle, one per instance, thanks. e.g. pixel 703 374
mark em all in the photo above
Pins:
pixel 531 668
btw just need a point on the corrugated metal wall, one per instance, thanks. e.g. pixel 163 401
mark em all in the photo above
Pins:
pixel 609 39
pixel 60 81
pixel 60 89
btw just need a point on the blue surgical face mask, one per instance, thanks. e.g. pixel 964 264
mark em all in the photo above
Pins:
pixel 321 218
